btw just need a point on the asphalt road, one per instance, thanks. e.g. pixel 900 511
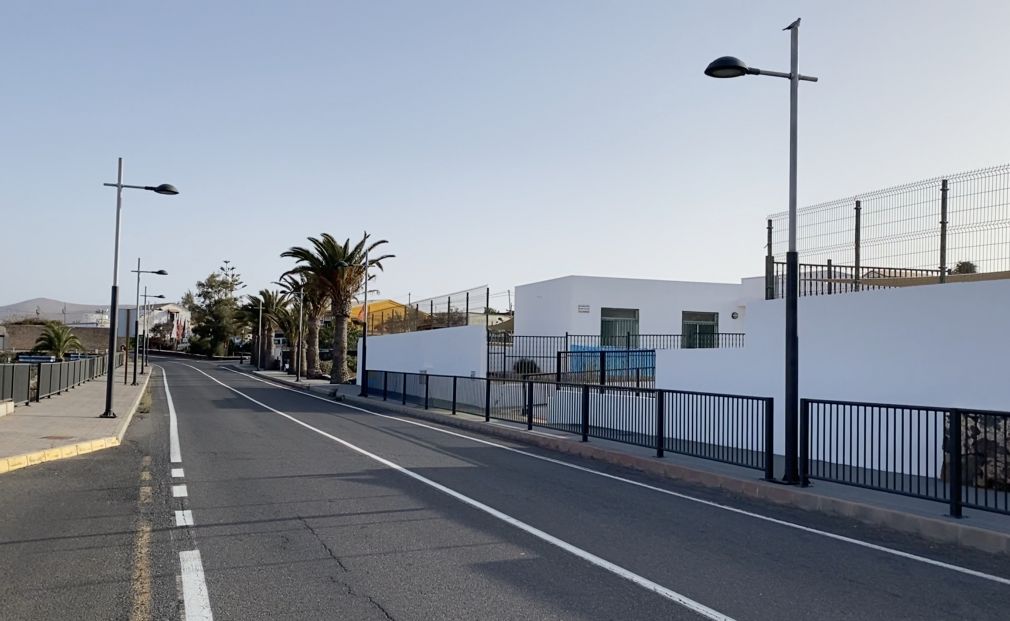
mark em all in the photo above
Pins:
pixel 307 509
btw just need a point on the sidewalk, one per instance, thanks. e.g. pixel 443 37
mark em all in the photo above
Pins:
pixel 66 425
pixel 982 530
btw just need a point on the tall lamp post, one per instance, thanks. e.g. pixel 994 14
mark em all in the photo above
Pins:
pixel 143 356
pixel 136 321
pixel 114 305
pixel 731 67
pixel 259 339
pixel 364 330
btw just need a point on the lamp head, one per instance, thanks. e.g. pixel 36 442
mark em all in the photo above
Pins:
pixel 727 67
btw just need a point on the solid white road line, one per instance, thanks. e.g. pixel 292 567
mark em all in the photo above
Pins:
pixel 175 455
pixel 179 491
pixel 709 503
pixel 196 602
pixel 602 563
pixel 177 473
pixel 184 518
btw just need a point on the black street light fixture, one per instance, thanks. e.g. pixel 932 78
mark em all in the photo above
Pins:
pixel 143 354
pixel 136 321
pixel 114 306
pixel 732 67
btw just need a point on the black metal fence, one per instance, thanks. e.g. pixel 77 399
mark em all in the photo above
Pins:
pixel 27 382
pixel 829 278
pixel 463 308
pixel 518 356
pixel 957 456
pixel 953 228
pixel 735 429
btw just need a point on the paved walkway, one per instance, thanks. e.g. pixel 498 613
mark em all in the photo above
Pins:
pixel 68 424
pixel 979 529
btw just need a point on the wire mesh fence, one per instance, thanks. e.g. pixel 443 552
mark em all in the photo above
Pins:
pixel 945 229
pixel 469 307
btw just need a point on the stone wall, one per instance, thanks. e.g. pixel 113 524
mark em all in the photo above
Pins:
pixel 22 338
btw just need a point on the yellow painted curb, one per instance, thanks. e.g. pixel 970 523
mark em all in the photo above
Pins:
pixel 16 462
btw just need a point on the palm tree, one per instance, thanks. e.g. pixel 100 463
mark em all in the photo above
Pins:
pixel 339 269
pixel 58 340
pixel 272 302
pixel 315 298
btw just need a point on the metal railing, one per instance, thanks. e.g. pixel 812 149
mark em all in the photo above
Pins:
pixel 954 455
pixel 517 356
pixel 830 278
pixel 735 429
pixel 28 382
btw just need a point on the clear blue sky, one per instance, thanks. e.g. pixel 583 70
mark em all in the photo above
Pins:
pixel 490 142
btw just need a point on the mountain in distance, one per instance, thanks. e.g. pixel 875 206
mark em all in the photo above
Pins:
pixel 50 309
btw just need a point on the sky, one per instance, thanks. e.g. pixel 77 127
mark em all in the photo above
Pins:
pixel 489 142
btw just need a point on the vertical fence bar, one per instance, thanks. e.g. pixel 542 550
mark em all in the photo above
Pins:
pixel 805 442
pixel 454 378
pixel 859 217
pixel 585 413
pixel 467 307
pixel 769 267
pixel 956 476
pixel 943 231
pixel 487 307
pixel 403 390
pixel 603 369
pixel 831 278
pixel 427 381
pixel 557 369
pixel 385 385
pixel 528 402
pixel 660 423
pixel 487 399
pixel 769 439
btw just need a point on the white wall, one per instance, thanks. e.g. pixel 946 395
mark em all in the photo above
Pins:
pixel 935 345
pixel 551 307
pixel 447 351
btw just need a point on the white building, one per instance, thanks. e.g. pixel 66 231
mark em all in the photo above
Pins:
pixel 613 307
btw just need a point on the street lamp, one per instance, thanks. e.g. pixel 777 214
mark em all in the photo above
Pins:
pixel 731 67
pixel 364 330
pixel 143 356
pixel 114 306
pixel 136 321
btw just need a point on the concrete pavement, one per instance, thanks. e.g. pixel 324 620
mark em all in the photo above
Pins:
pixel 67 424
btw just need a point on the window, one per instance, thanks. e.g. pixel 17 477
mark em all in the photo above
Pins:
pixel 699 329
pixel 616 324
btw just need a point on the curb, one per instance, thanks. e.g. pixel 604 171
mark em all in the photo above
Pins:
pixel 16 462
pixel 933 529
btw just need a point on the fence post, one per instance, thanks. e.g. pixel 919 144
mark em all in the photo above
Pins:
pixel 638 377
pixel 859 217
pixel 529 405
pixel 943 231
pixel 955 478
pixel 467 322
pixel 487 307
pixel 557 369
pixel 454 393
pixel 603 369
pixel 385 385
pixel 487 399
pixel 38 384
pixel 585 413
pixel 403 390
pixel 831 279
pixel 59 382
pixel 660 423
pixel 769 439
pixel 448 311
pixel 804 443
pixel 427 379
pixel 769 267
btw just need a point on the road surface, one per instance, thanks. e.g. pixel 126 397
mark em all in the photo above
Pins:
pixel 273 504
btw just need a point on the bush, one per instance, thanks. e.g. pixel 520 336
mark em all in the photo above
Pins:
pixel 525 367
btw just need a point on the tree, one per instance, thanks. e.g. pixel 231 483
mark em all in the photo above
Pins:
pixel 316 298
pixel 216 320
pixel 58 340
pixel 339 269
pixel 272 302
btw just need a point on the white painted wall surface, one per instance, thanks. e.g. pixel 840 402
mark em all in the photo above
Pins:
pixel 936 345
pixel 447 351
pixel 551 307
